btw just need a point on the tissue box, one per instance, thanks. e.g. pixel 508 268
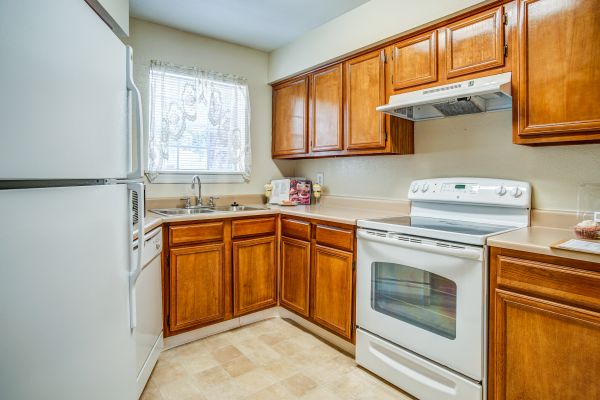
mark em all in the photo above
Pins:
pixel 300 190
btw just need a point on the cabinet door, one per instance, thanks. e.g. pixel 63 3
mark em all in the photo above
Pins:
pixel 332 290
pixel 414 61
pixel 559 71
pixel 365 90
pixel 254 275
pixel 199 283
pixel 290 118
pixel 326 123
pixel 475 44
pixel 295 275
pixel 543 350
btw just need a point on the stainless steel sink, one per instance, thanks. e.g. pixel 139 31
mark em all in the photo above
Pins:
pixel 169 212
pixel 182 211
pixel 238 208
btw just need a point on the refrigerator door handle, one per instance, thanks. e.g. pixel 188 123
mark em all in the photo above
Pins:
pixel 136 267
pixel 136 171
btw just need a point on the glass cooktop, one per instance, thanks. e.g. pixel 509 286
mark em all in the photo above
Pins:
pixel 446 225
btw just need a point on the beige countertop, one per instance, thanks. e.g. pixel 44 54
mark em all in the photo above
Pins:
pixel 537 239
pixel 344 215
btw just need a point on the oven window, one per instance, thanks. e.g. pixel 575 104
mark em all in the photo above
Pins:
pixel 415 296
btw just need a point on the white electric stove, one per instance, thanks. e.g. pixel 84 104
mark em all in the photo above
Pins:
pixel 422 285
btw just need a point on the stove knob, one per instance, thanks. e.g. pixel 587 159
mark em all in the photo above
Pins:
pixel 516 192
pixel 501 191
pixel 425 187
pixel 415 188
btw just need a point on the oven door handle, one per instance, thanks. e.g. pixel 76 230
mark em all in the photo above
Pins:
pixel 463 252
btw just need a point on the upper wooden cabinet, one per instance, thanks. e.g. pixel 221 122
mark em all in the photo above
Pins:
pixel 414 61
pixel 326 110
pixel 558 72
pixel 290 118
pixel 365 90
pixel 469 47
pixel 475 44
pixel 549 46
pixel 342 120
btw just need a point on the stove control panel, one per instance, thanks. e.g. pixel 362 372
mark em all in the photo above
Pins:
pixel 498 192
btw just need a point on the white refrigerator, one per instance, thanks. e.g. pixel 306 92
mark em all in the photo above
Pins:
pixel 67 270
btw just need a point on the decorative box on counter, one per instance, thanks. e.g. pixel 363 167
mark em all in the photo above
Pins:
pixel 293 190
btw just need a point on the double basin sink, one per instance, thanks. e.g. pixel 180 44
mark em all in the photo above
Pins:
pixel 170 212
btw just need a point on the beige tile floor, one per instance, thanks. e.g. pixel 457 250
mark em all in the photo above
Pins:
pixel 272 359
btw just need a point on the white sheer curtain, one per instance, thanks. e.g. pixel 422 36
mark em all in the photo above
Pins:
pixel 199 122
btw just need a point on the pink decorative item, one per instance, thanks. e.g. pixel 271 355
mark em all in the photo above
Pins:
pixel 300 190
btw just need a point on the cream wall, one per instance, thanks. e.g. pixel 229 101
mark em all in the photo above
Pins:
pixel 472 145
pixel 153 41
pixel 367 24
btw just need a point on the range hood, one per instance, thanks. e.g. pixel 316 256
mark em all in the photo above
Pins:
pixel 491 93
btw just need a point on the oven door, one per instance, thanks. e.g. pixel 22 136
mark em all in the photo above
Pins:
pixel 424 295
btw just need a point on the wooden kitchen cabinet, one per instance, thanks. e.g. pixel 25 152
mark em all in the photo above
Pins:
pixel 254 274
pixel 558 72
pixel 544 327
pixel 326 110
pixel 333 289
pixel 317 273
pixel 414 61
pixel 295 275
pixel 342 120
pixel 199 286
pixel 290 118
pixel 365 90
pixel 475 43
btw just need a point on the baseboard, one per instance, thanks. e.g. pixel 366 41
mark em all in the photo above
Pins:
pixel 274 312
pixel 201 333
pixel 324 334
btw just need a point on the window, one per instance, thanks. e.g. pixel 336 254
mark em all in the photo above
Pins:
pixel 199 124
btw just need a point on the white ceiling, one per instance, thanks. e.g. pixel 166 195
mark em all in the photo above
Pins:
pixel 261 24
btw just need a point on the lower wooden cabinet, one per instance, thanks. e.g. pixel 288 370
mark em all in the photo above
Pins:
pixel 317 273
pixel 333 289
pixel 295 275
pixel 254 275
pixel 199 286
pixel 544 327
pixel 233 270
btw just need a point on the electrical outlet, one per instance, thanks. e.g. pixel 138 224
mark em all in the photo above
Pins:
pixel 320 178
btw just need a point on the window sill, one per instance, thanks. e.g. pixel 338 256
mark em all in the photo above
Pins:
pixel 204 178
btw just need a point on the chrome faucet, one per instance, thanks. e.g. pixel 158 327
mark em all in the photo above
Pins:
pixel 196 179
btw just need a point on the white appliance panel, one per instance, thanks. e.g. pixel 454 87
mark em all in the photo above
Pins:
pixel 65 294
pixel 148 293
pixel 64 97
pixel 414 374
pixel 465 268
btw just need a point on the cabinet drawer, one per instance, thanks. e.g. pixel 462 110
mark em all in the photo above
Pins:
pixel 195 233
pixel 335 237
pixel 549 280
pixel 295 228
pixel 253 227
